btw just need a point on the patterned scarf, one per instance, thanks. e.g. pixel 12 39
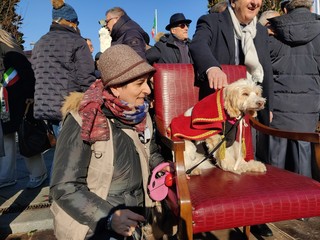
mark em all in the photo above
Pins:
pixel 246 35
pixel 94 123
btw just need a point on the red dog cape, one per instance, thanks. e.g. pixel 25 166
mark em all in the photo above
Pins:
pixel 207 119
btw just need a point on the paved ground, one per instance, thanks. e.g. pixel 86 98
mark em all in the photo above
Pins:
pixel 286 230
pixel 25 215
pixel 24 210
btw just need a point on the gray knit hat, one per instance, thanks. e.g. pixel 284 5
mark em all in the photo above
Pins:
pixel 119 64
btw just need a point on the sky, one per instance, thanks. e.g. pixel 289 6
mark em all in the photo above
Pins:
pixel 37 16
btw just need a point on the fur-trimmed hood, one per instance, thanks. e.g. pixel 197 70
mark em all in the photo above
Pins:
pixel 71 103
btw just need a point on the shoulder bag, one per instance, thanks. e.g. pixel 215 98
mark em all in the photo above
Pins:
pixel 34 136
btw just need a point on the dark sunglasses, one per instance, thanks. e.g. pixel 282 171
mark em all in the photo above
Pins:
pixel 183 25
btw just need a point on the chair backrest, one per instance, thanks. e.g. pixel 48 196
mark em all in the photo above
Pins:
pixel 174 90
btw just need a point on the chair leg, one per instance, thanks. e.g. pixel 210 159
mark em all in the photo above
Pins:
pixel 246 231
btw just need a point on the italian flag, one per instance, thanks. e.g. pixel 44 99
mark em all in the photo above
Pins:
pixel 154 27
pixel 10 77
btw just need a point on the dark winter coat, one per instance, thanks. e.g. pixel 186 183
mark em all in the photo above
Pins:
pixel 213 44
pixel 165 51
pixel 78 166
pixel 128 32
pixel 62 63
pixel 295 55
pixel 21 90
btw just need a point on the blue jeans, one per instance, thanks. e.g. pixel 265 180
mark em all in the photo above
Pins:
pixel 34 164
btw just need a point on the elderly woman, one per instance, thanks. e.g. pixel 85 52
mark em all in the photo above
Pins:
pixel 104 153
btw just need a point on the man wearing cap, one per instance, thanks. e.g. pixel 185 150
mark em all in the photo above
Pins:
pixel 62 63
pixel 123 30
pixel 105 152
pixel 295 57
pixel 172 47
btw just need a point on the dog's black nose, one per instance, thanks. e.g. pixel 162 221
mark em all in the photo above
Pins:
pixel 260 103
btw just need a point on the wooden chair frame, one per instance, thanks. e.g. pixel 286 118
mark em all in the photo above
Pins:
pixel 185 225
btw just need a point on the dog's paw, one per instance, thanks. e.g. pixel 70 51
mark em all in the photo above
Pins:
pixel 229 166
pixel 256 166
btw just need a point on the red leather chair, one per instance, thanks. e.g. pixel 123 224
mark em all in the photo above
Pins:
pixel 218 199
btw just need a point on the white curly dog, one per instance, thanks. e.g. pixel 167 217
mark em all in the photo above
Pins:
pixel 240 97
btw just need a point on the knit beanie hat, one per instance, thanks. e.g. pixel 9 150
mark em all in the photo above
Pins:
pixel 119 64
pixel 64 11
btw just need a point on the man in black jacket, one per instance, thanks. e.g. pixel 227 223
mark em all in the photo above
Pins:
pixel 224 38
pixel 172 47
pixel 295 57
pixel 123 30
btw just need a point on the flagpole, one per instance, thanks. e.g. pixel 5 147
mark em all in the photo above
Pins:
pixel 156 16
pixel 316 7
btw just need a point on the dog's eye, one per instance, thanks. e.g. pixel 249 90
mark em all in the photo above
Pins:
pixel 245 94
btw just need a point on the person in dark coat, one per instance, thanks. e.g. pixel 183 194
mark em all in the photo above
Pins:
pixel 123 30
pixel 295 56
pixel 172 47
pixel 62 63
pixel 17 85
pixel 105 153
pixel 214 43
pixel 234 37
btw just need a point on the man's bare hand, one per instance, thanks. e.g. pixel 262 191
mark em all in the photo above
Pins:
pixel 217 78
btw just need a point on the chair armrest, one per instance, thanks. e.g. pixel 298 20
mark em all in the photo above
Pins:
pixel 182 188
pixel 299 136
pixel 312 137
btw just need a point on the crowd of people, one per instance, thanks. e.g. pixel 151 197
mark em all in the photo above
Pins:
pixel 99 108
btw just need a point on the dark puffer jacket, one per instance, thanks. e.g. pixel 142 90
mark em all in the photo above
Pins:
pixel 165 51
pixel 62 63
pixel 295 56
pixel 128 32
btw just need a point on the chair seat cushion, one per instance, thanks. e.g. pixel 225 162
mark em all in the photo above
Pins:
pixel 223 199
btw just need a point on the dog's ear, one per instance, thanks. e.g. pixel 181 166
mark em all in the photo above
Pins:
pixel 230 95
pixel 258 90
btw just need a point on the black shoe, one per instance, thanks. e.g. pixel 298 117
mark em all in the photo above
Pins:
pixel 262 230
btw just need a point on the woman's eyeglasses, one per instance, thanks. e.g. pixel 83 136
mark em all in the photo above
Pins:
pixel 183 25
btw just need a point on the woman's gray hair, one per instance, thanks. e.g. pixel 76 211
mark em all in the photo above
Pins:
pixel 293 4
pixel 8 40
